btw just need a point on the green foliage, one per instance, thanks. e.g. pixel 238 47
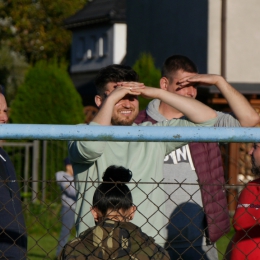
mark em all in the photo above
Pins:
pixel 6 28
pixel 148 74
pixel 223 242
pixel 47 96
pixel 12 71
pixel 43 228
pixel 35 29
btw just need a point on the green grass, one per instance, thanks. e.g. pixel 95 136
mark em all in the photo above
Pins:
pixel 41 247
pixel 43 229
pixel 223 242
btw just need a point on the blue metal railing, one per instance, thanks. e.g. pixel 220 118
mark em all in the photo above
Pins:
pixel 129 133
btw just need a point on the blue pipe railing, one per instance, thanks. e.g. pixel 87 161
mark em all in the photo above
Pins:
pixel 128 133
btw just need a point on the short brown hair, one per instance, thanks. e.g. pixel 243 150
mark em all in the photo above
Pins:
pixel 114 73
pixel 175 63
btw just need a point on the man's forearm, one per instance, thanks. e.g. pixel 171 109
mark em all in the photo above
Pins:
pixel 239 105
pixel 104 115
pixel 196 111
pixel 243 111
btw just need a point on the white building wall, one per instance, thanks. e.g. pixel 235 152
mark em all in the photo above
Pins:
pixel 242 39
pixel 214 36
pixel 119 48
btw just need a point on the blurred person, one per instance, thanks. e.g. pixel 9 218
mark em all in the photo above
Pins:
pixel 114 236
pixel 246 241
pixel 195 163
pixel 117 98
pixel 13 237
pixel 65 180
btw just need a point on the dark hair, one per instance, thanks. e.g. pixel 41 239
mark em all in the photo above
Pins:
pixel 175 63
pixel 255 167
pixel 113 193
pixel 114 73
pixel 66 161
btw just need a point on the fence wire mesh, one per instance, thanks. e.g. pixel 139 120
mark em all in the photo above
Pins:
pixel 49 221
pixel 44 218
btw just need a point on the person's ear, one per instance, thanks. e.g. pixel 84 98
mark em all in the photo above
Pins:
pixel 94 213
pixel 132 211
pixel 164 83
pixel 98 100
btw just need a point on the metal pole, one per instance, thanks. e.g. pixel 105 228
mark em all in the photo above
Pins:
pixel 44 163
pixel 26 170
pixel 35 170
pixel 130 133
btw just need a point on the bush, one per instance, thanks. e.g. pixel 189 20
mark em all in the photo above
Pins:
pixel 47 96
pixel 148 74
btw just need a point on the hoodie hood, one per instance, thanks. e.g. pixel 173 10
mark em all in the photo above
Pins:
pixel 153 110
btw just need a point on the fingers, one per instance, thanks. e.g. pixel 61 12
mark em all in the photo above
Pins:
pixel 202 79
pixel 187 80
pixel 132 86
pixel 126 88
pixel 199 79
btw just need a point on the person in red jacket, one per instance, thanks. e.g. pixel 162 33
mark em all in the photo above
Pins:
pixel 246 221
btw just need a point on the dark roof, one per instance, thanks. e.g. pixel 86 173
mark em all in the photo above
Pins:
pixel 98 11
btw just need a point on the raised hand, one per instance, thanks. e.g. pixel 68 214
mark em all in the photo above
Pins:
pixel 202 79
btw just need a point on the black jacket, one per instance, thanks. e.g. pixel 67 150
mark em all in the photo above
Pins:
pixel 13 237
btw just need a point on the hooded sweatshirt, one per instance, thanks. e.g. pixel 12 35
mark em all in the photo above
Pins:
pixel 184 202
pixel 90 159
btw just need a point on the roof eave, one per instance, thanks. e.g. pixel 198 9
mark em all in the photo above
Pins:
pixel 92 22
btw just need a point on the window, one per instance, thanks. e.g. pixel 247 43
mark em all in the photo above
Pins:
pixel 102 46
pixel 90 53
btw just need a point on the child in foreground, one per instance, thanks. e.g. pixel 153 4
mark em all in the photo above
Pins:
pixel 113 237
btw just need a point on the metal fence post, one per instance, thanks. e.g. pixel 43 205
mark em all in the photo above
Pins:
pixel 36 145
pixel 44 163
pixel 26 171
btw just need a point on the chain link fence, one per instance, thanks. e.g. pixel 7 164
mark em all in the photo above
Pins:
pixel 43 219
pixel 41 199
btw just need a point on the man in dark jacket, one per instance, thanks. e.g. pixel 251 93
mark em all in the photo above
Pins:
pixel 13 238
pixel 198 214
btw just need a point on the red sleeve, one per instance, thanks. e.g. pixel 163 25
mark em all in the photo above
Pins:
pixel 248 209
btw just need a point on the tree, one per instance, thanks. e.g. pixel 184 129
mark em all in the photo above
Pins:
pixel 47 96
pixel 6 28
pixel 148 74
pixel 36 28
pixel 12 71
